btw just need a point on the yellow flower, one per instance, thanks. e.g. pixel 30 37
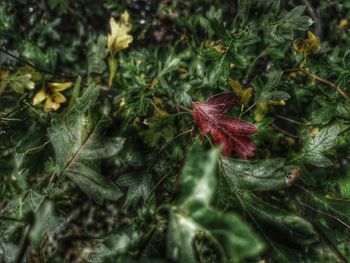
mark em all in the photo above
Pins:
pixel 119 38
pixel 311 44
pixel 51 93
pixel 244 94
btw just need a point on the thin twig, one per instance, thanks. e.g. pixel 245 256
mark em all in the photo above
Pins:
pixel 344 131
pixel 327 82
pixel 284 132
pixel 34 66
pixel 184 108
pixel 331 84
pixel 323 236
pixel 24 245
pixel 326 214
pixel 290 120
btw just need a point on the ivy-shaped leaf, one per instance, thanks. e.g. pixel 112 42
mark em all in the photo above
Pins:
pixel 139 186
pixel 192 214
pixel 259 175
pixel 78 147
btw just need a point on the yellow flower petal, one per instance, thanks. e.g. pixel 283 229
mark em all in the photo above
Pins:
pixel 39 97
pixel 60 86
pixel 58 97
pixel 30 85
pixel 50 105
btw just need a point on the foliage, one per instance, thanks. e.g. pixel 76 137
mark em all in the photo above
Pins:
pixel 112 116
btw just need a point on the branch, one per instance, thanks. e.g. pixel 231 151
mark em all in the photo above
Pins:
pixel 329 83
pixel 24 245
pixel 33 66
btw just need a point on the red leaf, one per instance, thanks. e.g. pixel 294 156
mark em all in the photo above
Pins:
pixel 231 132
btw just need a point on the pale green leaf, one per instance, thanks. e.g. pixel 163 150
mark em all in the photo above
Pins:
pixel 314 148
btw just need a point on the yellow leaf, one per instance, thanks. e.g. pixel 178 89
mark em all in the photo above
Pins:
pixel 260 110
pixel 310 44
pixel 299 45
pixel 159 112
pixel 158 101
pixel 30 70
pixel 246 96
pixel 119 38
pixel 313 42
pixel 343 23
pixel 60 86
pixel 236 86
pixel 220 48
pixel 112 63
pixel 277 102
pixel 4 74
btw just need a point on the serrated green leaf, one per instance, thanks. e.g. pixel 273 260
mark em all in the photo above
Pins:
pixel 170 65
pixel 314 148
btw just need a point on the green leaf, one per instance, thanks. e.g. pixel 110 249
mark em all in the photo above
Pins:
pixel 139 186
pixel 20 82
pixel 314 148
pixel 78 147
pixel 192 215
pixel 160 130
pixel 285 225
pixel 7 20
pixel 277 95
pixel 219 67
pixel 170 65
pixel 45 59
pixel 260 175
pixel 96 54
pixel 198 177
pixel 113 246
pixel 75 94
pixel 265 91
pixel 343 110
pixel 46 224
